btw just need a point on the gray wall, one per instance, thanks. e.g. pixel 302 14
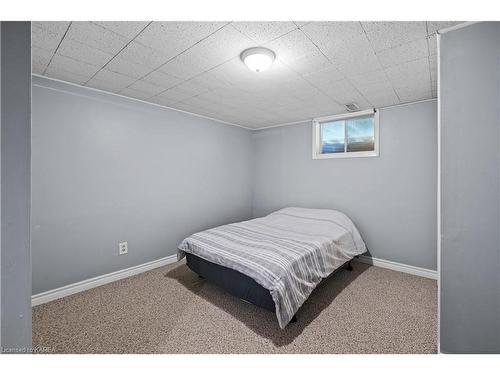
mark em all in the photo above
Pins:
pixel 15 119
pixel 108 169
pixel 470 120
pixel 391 198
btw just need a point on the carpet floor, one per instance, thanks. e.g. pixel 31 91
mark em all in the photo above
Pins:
pixel 171 310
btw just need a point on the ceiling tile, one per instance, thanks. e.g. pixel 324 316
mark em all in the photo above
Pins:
pixel 97 37
pixel 378 87
pixel 37 68
pixel 404 53
pixel 109 86
pixel 161 101
pixel 191 88
pixel 368 79
pixel 292 46
pixel 330 74
pixel 195 66
pixel 233 96
pixel 199 103
pixel 82 52
pixel 263 32
pixel 139 54
pixel 345 44
pixel 303 91
pixel 40 59
pixel 54 27
pixel 181 67
pixel 216 102
pixel 375 88
pixel 64 75
pixel 382 98
pixel 119 65
pixel 73 66
pixel 301 23
pixel 209 81
pixel 161 79
pixel 433 26
pixel 174 37
pixel 411 94
pixel 45 39
pixel 385 35
pixel 409 74
pixel 128 29
pixel 110 81
pixel 175 94
pixel 135 94
pixel 343 92
pixel 359 62
pixel 235 71
pixel 310 63
pixel 187 107
pixel 108 75
pixel 432 42
pixel 323 109
pixel 218 48
pixel 333 37
pixel 147 87
pixel 433 63
pixel 433 70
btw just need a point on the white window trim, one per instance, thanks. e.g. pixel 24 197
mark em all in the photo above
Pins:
pixel 316 131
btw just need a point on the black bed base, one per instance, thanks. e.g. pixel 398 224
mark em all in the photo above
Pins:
pixel 236 283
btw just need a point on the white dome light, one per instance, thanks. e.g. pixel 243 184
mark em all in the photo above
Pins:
pixel 258 59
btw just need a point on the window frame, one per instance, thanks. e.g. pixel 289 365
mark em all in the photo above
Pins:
pixel 316 136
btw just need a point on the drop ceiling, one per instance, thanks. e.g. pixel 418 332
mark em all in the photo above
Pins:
pixel 195 66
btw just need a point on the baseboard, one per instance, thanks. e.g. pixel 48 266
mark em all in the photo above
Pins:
pixel 80 286
pixel 418 271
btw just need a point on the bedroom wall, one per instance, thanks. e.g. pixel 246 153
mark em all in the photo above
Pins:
pixel 470 162
pixel 108 169
pixel 391 198
pixel 15 266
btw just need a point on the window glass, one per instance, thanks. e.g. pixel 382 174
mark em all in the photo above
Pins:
pixel 346 136
pixel 360 134
pixel 332 137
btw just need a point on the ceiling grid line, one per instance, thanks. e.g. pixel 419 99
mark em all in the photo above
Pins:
pixel 331 62
pixel 125 46
pixel 378 59
pixel 174 57
pixel 55 51
pixel 190 79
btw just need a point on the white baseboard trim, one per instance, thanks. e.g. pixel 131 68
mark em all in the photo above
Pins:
pixel 80 286
pixel 418 271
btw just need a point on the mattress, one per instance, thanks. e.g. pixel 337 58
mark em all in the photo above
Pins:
pixel 288 252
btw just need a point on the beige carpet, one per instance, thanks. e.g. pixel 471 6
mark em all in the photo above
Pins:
pixel 171 310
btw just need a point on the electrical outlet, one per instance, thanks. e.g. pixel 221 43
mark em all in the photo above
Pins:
pixel 122 248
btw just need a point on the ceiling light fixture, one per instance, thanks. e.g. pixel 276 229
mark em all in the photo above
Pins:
pixel 258 59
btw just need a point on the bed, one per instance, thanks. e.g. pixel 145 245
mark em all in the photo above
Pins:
pixel 275 261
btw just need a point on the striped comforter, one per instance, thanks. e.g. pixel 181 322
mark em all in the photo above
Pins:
pixel 288 251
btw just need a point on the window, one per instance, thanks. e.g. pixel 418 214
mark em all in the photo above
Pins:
pixel 345 136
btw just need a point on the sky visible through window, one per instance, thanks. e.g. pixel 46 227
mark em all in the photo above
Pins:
pixel 360 135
